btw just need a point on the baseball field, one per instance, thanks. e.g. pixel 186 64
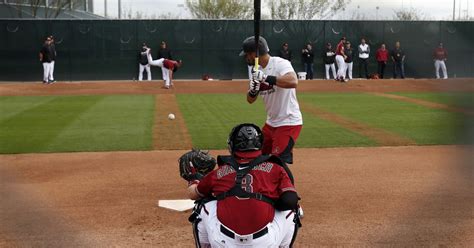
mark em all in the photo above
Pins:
pixel 378 162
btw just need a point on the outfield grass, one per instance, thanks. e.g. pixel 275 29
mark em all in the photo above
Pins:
pixel 423 125
pixel 455 99
pixel 210 118
pixel 75 123
pixel 109 123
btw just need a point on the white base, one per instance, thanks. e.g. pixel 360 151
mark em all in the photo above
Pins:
pixel 177 205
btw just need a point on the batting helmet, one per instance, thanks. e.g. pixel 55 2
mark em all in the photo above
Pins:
pixel 248 46
pixel 245 137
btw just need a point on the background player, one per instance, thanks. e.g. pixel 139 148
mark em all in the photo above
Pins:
pixel 329 58
pixel 276 82
pixel 45 57
pixel 53 59
pixel 239 217
pixel 349 52
pixel 143 63
pixel 440 55
pixel 168 68
pixel 340 60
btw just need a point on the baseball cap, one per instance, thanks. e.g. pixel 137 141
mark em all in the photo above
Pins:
pixel 248 46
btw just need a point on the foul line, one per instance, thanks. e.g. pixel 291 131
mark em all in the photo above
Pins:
pixel 381 136
pixel 424 103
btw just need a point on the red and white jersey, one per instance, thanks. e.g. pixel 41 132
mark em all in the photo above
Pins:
pixel 169 64
pixel 281 104
pixel 246 216
pixel 440 54
pixel 340 48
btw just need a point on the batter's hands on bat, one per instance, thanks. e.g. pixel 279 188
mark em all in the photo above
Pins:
pixel 259 76
pixel 254 88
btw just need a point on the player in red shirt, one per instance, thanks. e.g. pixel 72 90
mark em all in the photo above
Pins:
pixel 440 56
pixel 168 68
pixel 249 200
pixel 341 60
pixel 382 57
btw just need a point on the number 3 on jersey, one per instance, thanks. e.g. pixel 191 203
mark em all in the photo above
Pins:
pixel 247 183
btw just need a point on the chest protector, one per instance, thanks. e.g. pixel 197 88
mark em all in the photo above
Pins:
pixel 242 170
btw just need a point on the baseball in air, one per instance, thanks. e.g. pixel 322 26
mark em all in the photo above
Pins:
pixel 171 116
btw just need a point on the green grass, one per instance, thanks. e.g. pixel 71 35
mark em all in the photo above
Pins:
pixel 124 122
pixel 421 124
pixel 75 123
pixel 455 99
pixel 210 118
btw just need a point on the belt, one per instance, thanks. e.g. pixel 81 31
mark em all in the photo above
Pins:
pixel 231 234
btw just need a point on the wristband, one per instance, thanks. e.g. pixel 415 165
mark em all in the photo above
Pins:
pixel 271 80
pixel 193 182
pixel 252 93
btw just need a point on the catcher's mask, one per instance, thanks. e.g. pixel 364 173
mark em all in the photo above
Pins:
pixel 245 137
pixel 248 46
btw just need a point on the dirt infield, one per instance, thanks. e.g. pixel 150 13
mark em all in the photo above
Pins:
pixel 210 87
pixel 358 197
pixel 405 196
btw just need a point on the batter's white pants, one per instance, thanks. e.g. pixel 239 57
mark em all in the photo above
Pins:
pixel 280 231
pixel 51 73
pixel 141 69
pixel 341 67
pixel 349 67
pixel 333 69
pixel 165 72
pixel 46 71
pixel 442 64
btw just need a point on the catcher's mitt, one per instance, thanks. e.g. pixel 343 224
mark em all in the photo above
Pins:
pixel 195 164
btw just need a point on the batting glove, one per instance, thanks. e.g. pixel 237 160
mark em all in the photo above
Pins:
pixel 254 88
pixel 259 76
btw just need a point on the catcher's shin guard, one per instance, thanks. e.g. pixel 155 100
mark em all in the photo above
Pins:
pixel 195 219
pixel 298 225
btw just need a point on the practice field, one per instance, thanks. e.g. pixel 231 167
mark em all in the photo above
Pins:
pixel 127 122
pixel 98 156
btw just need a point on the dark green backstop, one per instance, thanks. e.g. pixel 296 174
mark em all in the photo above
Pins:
pixel 107 49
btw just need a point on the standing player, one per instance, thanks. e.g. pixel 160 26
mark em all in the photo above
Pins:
pixel 53 59
pixel 168 68
pixel 143 64
pixel 440 55
pixel 382 57
pixel 45 56
pixel 398 59
pixel 249 201
pixel 276 82
pixel 364 51
pixel 340 60
pixel 329 57
pixel 349 60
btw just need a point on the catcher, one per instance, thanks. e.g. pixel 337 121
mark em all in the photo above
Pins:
pixel 249 201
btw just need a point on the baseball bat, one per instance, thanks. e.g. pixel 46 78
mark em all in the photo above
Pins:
pixel 256 29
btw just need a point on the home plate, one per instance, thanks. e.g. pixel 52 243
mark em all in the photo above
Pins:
pixel 177 205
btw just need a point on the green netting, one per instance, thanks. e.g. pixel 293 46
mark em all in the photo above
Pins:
pixel 107 49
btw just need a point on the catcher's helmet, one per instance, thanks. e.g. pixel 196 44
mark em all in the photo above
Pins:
pixel 248 46
pixel 245 137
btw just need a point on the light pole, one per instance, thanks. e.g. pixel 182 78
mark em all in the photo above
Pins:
pixel 105 8
pixel 119 9
pixel 377 13
pixel 454 10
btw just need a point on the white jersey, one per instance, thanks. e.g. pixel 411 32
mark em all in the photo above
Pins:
pixel 281 104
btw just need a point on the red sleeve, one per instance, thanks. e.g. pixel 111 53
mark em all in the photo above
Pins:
pixel 204 187
pixel 285 183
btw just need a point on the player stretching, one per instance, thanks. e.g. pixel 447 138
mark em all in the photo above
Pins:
pixel 341 61
pixel 168 67
pixel 276 82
